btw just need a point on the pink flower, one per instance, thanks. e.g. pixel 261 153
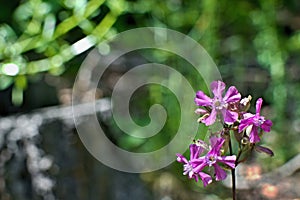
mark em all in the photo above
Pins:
pixel 189 166
pixel 255 122
pixel 193 167
pixel 219 104
pixel 213 158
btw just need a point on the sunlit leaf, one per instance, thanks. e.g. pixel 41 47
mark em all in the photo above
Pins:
pixel 5 81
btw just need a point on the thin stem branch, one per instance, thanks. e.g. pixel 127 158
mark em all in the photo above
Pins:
pixel 237 161
pixel 232 173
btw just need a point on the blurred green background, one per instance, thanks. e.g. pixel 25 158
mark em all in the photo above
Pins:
pixel 255 45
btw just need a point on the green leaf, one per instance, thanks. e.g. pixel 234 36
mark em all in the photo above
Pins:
pixel 5 81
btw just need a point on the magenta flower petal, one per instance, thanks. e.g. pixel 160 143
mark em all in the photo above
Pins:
pixel 191 175
pixel 216 145
pixel 244 124
pixel 218 104
pixel 228 160
pixel 262 149
pixel 193 167
pixel 195 176
pixel 213 141
pixel 206 179
pixel 248 115
pixel 256 121
pixel 202 100
pixel 217 88
pixel 266 126
pixel 229 117
pixel 200 111
pixel 195 151
pixel 211 118
pixel 220 173
pixel 232 95
pixel 181 158
pixel 253 138
pixel 258 105
pixel 199 164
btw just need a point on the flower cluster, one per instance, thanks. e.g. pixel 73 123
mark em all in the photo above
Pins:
pixel 212 158
pixel 232 112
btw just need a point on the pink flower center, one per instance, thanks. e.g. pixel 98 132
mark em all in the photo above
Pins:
pixel 210 160
pixel 259 120
pixel 219 104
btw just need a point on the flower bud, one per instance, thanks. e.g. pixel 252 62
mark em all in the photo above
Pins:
pixel 203 117
pixel 265 150
pixel 245 103
pixel 245 141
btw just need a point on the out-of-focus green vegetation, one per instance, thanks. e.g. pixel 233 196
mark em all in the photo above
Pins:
pixel 255 44
pixel 42 36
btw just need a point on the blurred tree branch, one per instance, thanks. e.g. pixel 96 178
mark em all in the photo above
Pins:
pixel 281 183
pixel 45 44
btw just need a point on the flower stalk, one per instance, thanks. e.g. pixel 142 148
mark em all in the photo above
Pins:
pixel 238 125
pixel 233 171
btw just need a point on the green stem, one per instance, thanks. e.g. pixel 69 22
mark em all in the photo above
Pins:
pixel 238 157
pixel 232 172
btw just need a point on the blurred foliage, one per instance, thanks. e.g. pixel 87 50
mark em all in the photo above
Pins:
pixel 256 45
pixel 43 36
